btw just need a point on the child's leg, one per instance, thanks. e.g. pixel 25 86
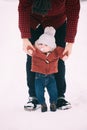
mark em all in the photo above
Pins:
pixel 39 88
pixel 52 89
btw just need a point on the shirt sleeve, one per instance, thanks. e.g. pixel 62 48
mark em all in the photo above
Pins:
pixel 24 9
pixel 72 12
pixel 56 54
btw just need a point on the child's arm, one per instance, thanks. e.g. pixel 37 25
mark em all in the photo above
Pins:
pixel 36 53
pixel 56 54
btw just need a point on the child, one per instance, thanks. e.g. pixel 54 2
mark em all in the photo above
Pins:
pixel 45 63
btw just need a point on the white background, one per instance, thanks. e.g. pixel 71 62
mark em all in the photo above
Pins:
pixel 13 88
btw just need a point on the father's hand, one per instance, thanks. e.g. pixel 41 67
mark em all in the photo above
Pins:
pixel 67 51
pixel 26 44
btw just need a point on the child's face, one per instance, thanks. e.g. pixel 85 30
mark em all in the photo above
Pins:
pixel 43 47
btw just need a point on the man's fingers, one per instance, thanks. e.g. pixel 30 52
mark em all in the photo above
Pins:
pixel 31 48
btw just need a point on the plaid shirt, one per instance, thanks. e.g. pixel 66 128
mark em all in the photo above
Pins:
pixel 61 10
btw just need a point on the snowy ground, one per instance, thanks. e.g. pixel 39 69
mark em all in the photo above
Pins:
pixel 13 89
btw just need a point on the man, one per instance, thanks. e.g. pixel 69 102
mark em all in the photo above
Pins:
pixel 34 16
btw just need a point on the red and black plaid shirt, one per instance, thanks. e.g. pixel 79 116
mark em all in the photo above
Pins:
pixel 61 10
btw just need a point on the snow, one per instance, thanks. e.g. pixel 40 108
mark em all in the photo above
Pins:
pixel 13 88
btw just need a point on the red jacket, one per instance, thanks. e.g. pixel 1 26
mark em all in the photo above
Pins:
pixel 61 10
pixel 44 64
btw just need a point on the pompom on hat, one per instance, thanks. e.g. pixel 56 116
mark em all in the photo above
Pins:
pixel 48 37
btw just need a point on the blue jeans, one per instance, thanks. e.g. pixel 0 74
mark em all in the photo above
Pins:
pixel 48 81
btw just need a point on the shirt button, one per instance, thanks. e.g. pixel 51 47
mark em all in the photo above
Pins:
pixel 47 61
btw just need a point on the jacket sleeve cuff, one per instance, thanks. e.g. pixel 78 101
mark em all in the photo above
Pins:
pixel 25 35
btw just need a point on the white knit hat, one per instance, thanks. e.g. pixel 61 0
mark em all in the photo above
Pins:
pixel 47 37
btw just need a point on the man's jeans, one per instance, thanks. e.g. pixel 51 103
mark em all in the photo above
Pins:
pixel 48 81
